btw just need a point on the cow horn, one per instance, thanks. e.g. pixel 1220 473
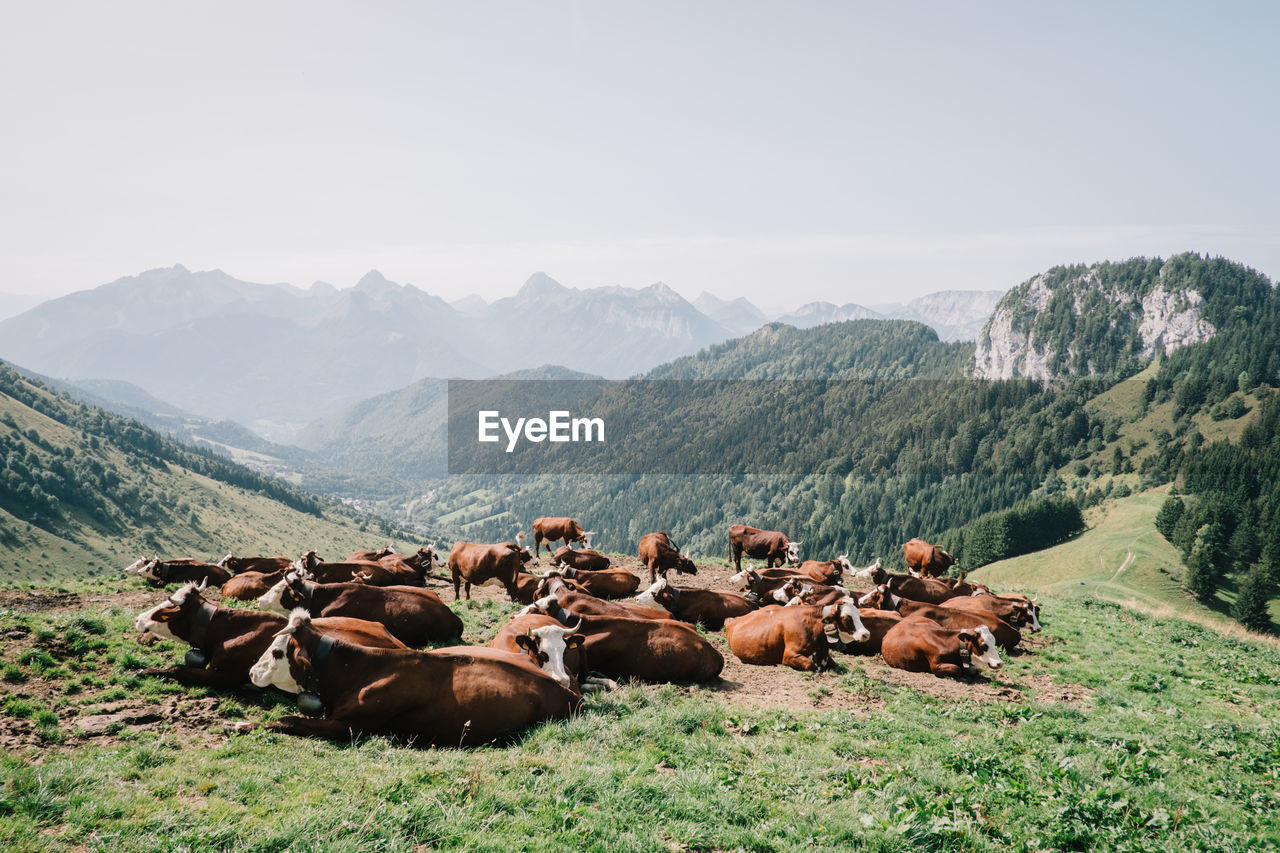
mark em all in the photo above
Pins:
pixel 204 582
pixel 572 629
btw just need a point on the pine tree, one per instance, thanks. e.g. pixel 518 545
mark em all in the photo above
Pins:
pixel 1250 609
pixel 1202 574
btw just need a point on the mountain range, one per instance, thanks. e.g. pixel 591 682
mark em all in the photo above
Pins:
pixel 276 357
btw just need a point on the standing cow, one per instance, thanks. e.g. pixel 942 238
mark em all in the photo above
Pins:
pixel 660 555
pixel 548 530
pixel 925 559
pixel 768 545
pixel 477 564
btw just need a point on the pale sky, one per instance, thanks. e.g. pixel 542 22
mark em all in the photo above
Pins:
pixel 788 152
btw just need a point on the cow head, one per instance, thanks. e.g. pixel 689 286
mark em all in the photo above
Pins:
pixel 658 595
pixel 870 573
pixel 685 566
pixel 307 562
pixel 431 558
pixel 547 645
pixel 139 566
pixel 289 593
pixel 1026 614
pixel 793 553
pixel 845 622
pixel 275 668
pixel 586 538
pixel 231 563
pixel 842 565
pixel 746 577
pixel 796 593
pixel 157 620
pixel 880 598
pixel 980 643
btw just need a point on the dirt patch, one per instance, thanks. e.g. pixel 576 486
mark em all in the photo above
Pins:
pixel 35 601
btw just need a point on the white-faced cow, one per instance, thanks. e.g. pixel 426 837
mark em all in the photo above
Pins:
pixel 603 583
pixel 798 637
pixel 414 615
pixel 696 606
pixel 560 528
pixel 918 644
pixel 768 545
pixel 158 573
pixel 447 697
pixel 553 647
pixel 225 642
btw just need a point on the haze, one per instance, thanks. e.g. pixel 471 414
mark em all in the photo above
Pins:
pixel 784 152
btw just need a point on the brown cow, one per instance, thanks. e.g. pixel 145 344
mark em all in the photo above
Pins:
pixel 879 623
pixel 266 565
pixel 226 642
pixel 478 564
pixel 158 573
pixel 768 589
pixel 555 597
pixel 917 644
pixel 798 637
pixel 1007 636
pixel 343 571
pixel 371 556
pixel 585 560
pixel 448 697
pixel 928 590
pixel 653 650
pixel 550 530
pixel 1020 614
pixel 927 560
pixel 602 583
pixel 767 545
pixel 812 594
pixel 554 648
pixel 402 569
pixel 414 615
pixel 247 586
pixel 697 606
pixel 660 555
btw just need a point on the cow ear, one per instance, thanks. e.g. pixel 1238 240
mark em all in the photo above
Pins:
pixel 968 635
pixel 526 642
pixel 574 641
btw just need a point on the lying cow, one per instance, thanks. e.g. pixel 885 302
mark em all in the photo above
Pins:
pixel 555 597
pixel 413 615
pixel 696 606
pixel 879 623
pixel 928 590
pixel 372 556
pixel 554 648
pixel 658 651
pixel 548 530
pixel 768 545
pixel 1007 636
pixel 402 569
pixel 926 560
pixel 343 571
pixel 159 573
pixel 265 565
pixel 447 697
pixel 226 642
pixel 585 560
pixel 1020 614
pixel 812 594
pixel 767 589
pixel 247 586
pixel 603 583
pixel 660 555
pixel 473 563
pixel 918 644
pixel 798 637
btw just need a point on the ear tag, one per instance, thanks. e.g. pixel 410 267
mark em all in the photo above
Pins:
pixel 195 659
pixel 310 704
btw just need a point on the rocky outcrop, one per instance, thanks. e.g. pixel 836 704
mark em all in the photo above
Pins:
pixel 1080 320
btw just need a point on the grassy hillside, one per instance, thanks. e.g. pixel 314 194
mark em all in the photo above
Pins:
pixel 1115 731
pixel 1121 557
pixel 84 493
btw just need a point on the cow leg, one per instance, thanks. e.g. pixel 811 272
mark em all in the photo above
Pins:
pixel 800 662
pixel 467 585
pixel 216 679
pixel 952 669
pixel 512 591
pixel 309 727
pixel 457 582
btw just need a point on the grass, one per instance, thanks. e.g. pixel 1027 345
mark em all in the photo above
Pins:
pixel 1121 557
pixel 1172 744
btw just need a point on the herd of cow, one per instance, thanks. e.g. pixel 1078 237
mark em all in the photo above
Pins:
pixel 341 635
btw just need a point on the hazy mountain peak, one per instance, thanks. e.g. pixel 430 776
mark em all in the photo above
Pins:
pixel 374 280
pixel 541 284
